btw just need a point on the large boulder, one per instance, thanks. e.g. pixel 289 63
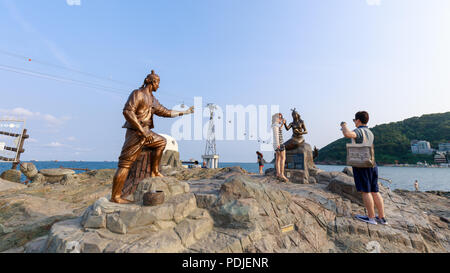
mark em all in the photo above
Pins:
pixel 344 185
pixel 11 175
pixel 171 159
pixel 29 170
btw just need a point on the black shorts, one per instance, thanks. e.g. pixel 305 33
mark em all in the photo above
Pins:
pixel 282 148
pixel 366 179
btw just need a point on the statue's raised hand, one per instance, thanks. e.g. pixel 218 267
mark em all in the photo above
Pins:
pixel 190 110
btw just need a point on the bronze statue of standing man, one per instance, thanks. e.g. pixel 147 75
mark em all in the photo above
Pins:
pixel 138 113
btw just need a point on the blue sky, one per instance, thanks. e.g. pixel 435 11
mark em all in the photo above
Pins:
pixel 329 59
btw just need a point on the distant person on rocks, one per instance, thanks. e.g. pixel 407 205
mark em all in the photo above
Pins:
pixel 366 179
pixel 280 150
pixel 416 185
pixel 260 162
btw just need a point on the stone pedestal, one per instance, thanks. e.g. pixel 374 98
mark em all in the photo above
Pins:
pixel 298 163
pixel 109 227
pixel 55 175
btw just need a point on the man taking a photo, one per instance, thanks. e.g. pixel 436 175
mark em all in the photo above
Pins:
pixel 366 179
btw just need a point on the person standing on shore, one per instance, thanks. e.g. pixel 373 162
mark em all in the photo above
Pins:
pixel 280 150
pixel 366 179
pixel 260 162
pixel 416 185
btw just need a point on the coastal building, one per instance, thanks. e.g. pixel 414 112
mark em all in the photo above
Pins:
pixel 421 147
pixel 444 147
pixel 440 158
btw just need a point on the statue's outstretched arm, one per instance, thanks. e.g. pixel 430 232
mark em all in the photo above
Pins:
pixel 174 113
pixel 162 111
pixel 288 127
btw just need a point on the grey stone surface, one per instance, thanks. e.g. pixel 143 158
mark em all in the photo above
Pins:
pixel 115 224
pixel 169 185
pixel 348 171
pixel 55 175
pixel 11 176
pixel 29 170
pixel 252 213
pixel 38 180
pixel 171 159
pixel 36 246
pixel 7 185
pixel 68 179
pixel 345 185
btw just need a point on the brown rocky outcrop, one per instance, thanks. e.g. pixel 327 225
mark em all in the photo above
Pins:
pixel 221 211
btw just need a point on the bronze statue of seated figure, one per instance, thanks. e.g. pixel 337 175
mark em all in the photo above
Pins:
pixel 298 128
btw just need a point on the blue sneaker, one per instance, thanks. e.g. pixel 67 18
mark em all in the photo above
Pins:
pixel 366 219
pixel 381 221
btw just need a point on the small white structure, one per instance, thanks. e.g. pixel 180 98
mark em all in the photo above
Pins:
pixel 212 161
pixel 172 144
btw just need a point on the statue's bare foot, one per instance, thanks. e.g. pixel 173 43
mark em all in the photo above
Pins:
pixel 156 174
pixel 121 201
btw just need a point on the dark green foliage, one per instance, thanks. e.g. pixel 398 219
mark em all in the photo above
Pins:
pixel 393 140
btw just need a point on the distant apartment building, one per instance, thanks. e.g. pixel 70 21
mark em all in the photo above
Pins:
pixel 444 147
pixel 421 147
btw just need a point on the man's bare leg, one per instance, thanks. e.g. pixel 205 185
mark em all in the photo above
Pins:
pixel 118 182
pixel 379 204
pixel 156 161
pixel 368 203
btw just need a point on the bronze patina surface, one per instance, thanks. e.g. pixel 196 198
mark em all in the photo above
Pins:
pixel 138 112
pixel 298 130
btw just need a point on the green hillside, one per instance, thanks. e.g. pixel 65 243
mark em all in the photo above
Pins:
pixel 393 140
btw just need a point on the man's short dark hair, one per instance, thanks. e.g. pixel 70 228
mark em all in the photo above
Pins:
pixel 363 116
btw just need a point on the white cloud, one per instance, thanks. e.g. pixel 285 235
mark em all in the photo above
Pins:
pixel 32 140
pixel 54 145
pixel 71 138
pixel 373 2
pixel 22 113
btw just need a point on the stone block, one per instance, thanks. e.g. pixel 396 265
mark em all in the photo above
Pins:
pixel 95 221
pixel 92 243
pixel 115 224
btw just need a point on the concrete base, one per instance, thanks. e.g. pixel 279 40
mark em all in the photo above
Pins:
pixel 212 161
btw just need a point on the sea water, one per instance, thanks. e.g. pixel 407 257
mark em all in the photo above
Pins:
pixel 402 177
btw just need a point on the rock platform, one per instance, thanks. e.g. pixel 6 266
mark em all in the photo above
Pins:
pixel 109 227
